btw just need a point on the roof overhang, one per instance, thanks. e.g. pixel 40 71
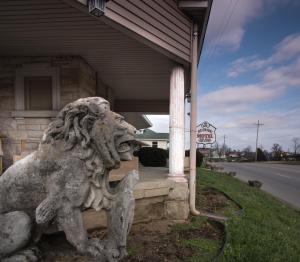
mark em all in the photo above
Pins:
pixel 137 69
pixel 138 120
pixel 134 71
pixel 199 12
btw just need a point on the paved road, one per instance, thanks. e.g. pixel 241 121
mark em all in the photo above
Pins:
pixel 282 181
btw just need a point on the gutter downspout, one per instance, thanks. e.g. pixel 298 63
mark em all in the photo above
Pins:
pixel 193 121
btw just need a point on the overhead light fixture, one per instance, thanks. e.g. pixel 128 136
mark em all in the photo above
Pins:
pixel 97 7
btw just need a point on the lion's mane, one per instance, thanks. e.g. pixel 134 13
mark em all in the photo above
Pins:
pixel 74 122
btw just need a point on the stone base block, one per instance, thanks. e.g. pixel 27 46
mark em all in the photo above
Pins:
pixel 148 209
pixel 176 210
pixel 180 191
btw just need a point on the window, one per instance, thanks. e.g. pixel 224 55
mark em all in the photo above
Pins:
pixel 37 89
pixel 38 93
pixel 154 144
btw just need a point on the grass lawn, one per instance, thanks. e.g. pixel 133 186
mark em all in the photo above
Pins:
pixel 268 231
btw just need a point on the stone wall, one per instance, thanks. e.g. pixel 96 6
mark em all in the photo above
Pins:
pixel 21 135
pixel 155 200
pixel 77 80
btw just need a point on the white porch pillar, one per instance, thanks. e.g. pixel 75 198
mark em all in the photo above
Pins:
pixel 176 149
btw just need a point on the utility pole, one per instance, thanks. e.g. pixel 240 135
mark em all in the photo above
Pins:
pixel 257 130
pixel 224 144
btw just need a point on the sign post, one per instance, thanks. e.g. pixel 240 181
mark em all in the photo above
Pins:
pixel 206 135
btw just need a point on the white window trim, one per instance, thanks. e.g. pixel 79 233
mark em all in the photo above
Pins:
pixel 36 69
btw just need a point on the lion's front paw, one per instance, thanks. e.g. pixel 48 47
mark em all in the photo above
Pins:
pixel 32 254
pixel 103 252
pixel 95 248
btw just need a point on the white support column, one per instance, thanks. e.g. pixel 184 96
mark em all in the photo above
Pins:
pixel 176 150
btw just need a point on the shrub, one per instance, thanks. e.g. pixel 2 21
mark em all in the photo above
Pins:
pixel 152 156
pixel 260 155
pixel 199 157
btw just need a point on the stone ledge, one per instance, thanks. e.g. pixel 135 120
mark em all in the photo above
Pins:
pixel 34 114
pixel 157 192
pixel 151 192
pixel 146 210
pixel 146 189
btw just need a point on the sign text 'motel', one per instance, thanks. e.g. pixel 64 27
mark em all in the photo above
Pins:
pixel 206 133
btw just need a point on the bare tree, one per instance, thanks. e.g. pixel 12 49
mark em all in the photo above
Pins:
pixel 247 153
pixel 276 151
pixel 218 149
pixel 296 144
pixel 248 149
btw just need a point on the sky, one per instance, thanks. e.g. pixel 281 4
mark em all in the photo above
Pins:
pixel 249 70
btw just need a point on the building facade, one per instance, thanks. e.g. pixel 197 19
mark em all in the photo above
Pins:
pixel 141 56
pixel 153 139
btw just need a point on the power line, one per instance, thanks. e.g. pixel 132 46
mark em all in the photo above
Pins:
pixel 257 130
pixel 220 36
pixel 211 47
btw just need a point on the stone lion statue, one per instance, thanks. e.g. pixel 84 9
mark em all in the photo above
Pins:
pixel 68 173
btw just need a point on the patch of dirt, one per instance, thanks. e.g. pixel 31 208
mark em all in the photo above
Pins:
pixel 215 202
pixel 155 241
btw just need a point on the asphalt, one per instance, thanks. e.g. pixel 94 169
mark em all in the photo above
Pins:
pixel 282 181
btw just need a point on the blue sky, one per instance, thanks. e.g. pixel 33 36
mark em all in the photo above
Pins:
pixel 250 70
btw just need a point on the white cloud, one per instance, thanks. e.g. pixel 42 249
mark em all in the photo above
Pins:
pixel 227 22
pixel 283 76
pixel 240 130
pixel 239 95
pixel 160 123
pixel 287 49
pixel 275 79
pixel 229 18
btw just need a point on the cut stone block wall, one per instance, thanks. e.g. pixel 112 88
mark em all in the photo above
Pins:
pixel 168 200
pixel 21 135
pixel 77 80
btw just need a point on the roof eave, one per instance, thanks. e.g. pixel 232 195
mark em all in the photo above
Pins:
pixel 193 7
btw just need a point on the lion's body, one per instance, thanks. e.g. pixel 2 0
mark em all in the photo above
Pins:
pixel 14 185
pixel 67 173
pixel 27 183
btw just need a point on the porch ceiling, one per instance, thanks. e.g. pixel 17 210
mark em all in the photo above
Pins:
pixel 52 28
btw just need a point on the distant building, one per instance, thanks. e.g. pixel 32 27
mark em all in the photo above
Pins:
pixel 153 139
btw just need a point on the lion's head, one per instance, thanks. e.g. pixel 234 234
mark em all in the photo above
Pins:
pixel 88 125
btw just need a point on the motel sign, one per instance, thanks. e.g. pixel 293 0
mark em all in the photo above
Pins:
pixel 206 133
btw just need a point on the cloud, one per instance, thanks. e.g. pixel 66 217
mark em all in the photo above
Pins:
pixel 229 18
pixel 160 123
pixel 227 22
pixel 279 73
pixel 286 50
pixel 284 76
pixel 233 96
pixel 234 110
pixel 240 130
